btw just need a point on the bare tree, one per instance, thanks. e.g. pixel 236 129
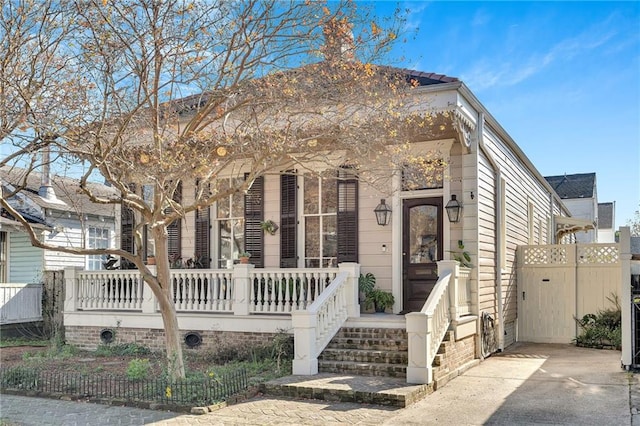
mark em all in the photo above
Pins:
pixel 180 91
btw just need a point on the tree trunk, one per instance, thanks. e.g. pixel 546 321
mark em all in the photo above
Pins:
pixel 164 294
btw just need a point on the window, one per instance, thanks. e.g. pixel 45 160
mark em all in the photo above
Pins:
pixel 320 222
pixel 329 222
pixel 229 223
pixel 423 174
pixel 97 238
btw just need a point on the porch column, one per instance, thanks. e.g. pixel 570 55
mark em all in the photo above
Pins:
pixel 353 271
pixel 305 361
pixel 71 290
pixel 625 301
pixel 419 337
pixel 451 266
pixel 242 288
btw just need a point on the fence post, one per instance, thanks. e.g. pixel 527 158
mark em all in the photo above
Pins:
pixel 419 336
pixel 625 296
pixel 305 362
pixel 353 271
pixel 70 290
pixel 242 288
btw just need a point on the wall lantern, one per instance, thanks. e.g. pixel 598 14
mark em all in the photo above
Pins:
pixel 453 209
pixel 383 213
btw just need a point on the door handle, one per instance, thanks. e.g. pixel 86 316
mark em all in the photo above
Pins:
pixel 523 295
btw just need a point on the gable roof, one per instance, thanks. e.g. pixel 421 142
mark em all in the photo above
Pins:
pixel 605 215
pixel 573 186
pixel 69 196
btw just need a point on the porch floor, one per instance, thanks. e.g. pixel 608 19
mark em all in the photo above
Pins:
pixel 389 391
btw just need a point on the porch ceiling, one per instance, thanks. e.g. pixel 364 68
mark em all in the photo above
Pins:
pixel 571 225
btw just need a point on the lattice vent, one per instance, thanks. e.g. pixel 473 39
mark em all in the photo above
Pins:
pixel 545 255
pixel 598 254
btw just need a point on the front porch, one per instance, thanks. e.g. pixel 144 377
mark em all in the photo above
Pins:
pixel 253 304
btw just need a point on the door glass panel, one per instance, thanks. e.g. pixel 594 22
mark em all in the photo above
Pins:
pixel 423 234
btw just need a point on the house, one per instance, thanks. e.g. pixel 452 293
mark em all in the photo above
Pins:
pixel 579 193
pixel 60 215
pixel 485 200
pixel 606 222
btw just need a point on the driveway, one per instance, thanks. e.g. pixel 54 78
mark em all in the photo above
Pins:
pixel 532 384
pixel 527 384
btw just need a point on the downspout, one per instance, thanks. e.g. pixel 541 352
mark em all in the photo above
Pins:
pixel 498 235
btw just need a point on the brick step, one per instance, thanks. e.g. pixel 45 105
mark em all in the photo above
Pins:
pixel 377 344
pixel 372 333
pixel 389 391
pixel 363 368
pixel 367 356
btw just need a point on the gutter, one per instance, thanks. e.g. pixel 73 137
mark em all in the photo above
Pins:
pixel 498 235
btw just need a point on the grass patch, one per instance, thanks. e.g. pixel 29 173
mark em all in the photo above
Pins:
pixel 11 342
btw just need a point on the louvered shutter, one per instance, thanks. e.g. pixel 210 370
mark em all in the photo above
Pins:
pixel 127 224
pixel 253 217
pixel 174 230
pixel 347 216
pixel 288 221
pixel 202 243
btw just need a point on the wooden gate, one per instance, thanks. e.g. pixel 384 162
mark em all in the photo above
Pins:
pixel 558 283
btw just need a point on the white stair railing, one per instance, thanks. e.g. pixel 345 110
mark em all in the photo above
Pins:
pixel 426 329
pixel 314 327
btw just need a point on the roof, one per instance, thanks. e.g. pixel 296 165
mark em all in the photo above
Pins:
pixel 605 215
pixel 573 186
pixel 69 196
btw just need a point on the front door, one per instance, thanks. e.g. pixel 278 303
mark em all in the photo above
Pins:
pixel 421 249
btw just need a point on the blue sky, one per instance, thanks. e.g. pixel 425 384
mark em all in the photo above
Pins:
pixel 562 78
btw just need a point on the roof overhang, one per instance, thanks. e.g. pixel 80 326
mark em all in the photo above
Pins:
pixel 11 225
pixel 571 225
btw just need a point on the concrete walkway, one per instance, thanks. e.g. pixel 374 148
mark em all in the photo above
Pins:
pixel 528 384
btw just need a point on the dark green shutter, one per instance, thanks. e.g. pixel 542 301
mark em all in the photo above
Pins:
pixel 347 216
pixel 288 221
pixel 253 217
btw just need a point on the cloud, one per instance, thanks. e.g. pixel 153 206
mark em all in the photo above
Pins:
pixel 414 14
pixel 495 72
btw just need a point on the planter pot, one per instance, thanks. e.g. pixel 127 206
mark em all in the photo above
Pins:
pixel 244 260
pixel 151 261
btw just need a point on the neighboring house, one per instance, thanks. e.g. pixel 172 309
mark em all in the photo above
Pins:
pixel 606 222
pixel 579 193
pixel 61 215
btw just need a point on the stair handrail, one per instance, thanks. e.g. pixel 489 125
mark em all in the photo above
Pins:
pixel 426 329
pixel 314 327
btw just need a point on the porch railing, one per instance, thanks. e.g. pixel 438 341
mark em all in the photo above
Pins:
pixel 449 301
pixel 243 290
pixel 314 327
pixel 20 303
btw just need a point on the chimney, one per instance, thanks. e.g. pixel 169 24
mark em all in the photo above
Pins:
pixel 338 40
pixel 46 190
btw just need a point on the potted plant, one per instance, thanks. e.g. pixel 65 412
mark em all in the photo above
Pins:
pixel 380 299
pixel 462 257
pixel 269 226
pixel 244 256
pixel 366 283
pixel 151 259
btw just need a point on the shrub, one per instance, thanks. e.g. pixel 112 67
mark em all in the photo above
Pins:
pixel 602 329
pixel 138 369
pixel 122 349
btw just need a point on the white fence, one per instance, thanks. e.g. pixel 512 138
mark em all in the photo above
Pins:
pixel 559 283
pixel 20 303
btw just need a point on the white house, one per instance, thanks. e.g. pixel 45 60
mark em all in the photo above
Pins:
pixel 61 215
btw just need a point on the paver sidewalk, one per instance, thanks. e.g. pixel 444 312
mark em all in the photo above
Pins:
pixel 528 384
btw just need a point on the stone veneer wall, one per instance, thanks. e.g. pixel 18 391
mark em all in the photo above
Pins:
pixel 89 337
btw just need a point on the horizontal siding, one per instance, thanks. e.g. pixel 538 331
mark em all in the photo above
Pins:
pixel 25 261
